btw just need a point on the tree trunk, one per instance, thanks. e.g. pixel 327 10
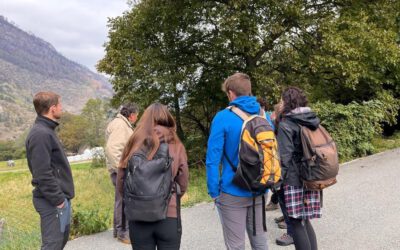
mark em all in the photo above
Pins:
pixel 179 129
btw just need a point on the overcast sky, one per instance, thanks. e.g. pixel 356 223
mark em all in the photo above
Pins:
pixel 76 28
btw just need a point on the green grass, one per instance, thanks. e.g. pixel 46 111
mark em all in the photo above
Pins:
pixel 93 190
pixel 382 143
pixel 197 189
pixel 92 186
pixel 19 164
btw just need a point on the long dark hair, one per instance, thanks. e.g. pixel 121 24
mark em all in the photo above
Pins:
pixel 144 134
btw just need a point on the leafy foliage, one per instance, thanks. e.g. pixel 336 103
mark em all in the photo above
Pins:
pixel 99 160
pixel 353 126
pixel 85 222
pixel 95 113
pixel 73 131
pixel 11 150
pixel 86 129
pixel 179 53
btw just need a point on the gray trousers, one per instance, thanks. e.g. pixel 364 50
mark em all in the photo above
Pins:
pixel 236 215
pixel 119 229
pixel 52 237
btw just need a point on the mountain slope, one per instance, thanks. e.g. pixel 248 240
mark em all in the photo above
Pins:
pixel 29 64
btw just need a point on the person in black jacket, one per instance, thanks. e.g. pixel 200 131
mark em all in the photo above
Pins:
pixel 51 173
pixel 301 205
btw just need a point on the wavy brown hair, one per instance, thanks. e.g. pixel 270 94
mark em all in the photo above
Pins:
pixel 144 136
pixel 293 97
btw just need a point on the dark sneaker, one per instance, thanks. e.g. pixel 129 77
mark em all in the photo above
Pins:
pixel 282 225
pixel 279 219
pixel 271 206
pixel 285 240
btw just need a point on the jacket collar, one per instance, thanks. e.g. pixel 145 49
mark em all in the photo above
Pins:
pixel 125 120
pixel 300 110
pixel 46 122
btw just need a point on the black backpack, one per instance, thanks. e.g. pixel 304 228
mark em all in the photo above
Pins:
pixel 148 186
pixel 259 165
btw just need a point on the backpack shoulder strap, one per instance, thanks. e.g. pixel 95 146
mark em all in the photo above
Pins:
pixel 243 115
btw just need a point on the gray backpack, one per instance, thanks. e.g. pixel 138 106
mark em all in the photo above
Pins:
pixel 148 186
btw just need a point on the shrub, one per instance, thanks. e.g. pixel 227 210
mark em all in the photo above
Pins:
pixel 85 222
pixel 353 126
pixel 9 150
pixel 99 159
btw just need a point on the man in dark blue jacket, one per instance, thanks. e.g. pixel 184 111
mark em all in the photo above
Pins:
pixel 51 173
pixel 234 203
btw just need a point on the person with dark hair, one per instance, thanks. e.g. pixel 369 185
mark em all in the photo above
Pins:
pixel 51 172
pixel 118 132
pixel 268 114
pixel 301 204
pixel 130 112
pixel 277 197
pixel 234 204
pixel 276 200
pixel 156 127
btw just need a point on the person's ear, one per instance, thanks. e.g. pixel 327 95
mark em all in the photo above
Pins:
pixel 51 109
pixel 229 94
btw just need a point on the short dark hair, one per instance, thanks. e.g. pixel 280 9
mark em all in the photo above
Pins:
pixel 42 101
pixel 263 103
pixel 238 83
pixel 128 109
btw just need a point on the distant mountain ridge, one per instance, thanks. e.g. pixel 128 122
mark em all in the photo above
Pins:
pixel 29 64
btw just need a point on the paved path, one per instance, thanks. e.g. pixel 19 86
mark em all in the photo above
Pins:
pixel 361 212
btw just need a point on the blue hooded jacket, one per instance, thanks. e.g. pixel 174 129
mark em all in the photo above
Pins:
pixel 225 136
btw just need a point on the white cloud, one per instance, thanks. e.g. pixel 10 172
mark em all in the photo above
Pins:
pixel 76 28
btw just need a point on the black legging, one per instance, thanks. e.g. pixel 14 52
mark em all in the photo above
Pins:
pixel 303 235
pixel 162 234
pixel 281 199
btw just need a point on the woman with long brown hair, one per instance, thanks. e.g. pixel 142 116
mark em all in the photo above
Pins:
pixel 157 126
pixel 301 204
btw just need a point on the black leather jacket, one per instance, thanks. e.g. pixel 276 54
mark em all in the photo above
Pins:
pixel 289 142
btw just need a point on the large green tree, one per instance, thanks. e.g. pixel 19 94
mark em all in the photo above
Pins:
pixel 73 132
pixel 95 112
pixel 179 52
pixel 86 129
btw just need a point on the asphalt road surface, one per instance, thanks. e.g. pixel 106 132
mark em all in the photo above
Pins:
pixel 362 211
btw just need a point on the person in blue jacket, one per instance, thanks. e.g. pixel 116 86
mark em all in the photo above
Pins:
pixel 234 204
